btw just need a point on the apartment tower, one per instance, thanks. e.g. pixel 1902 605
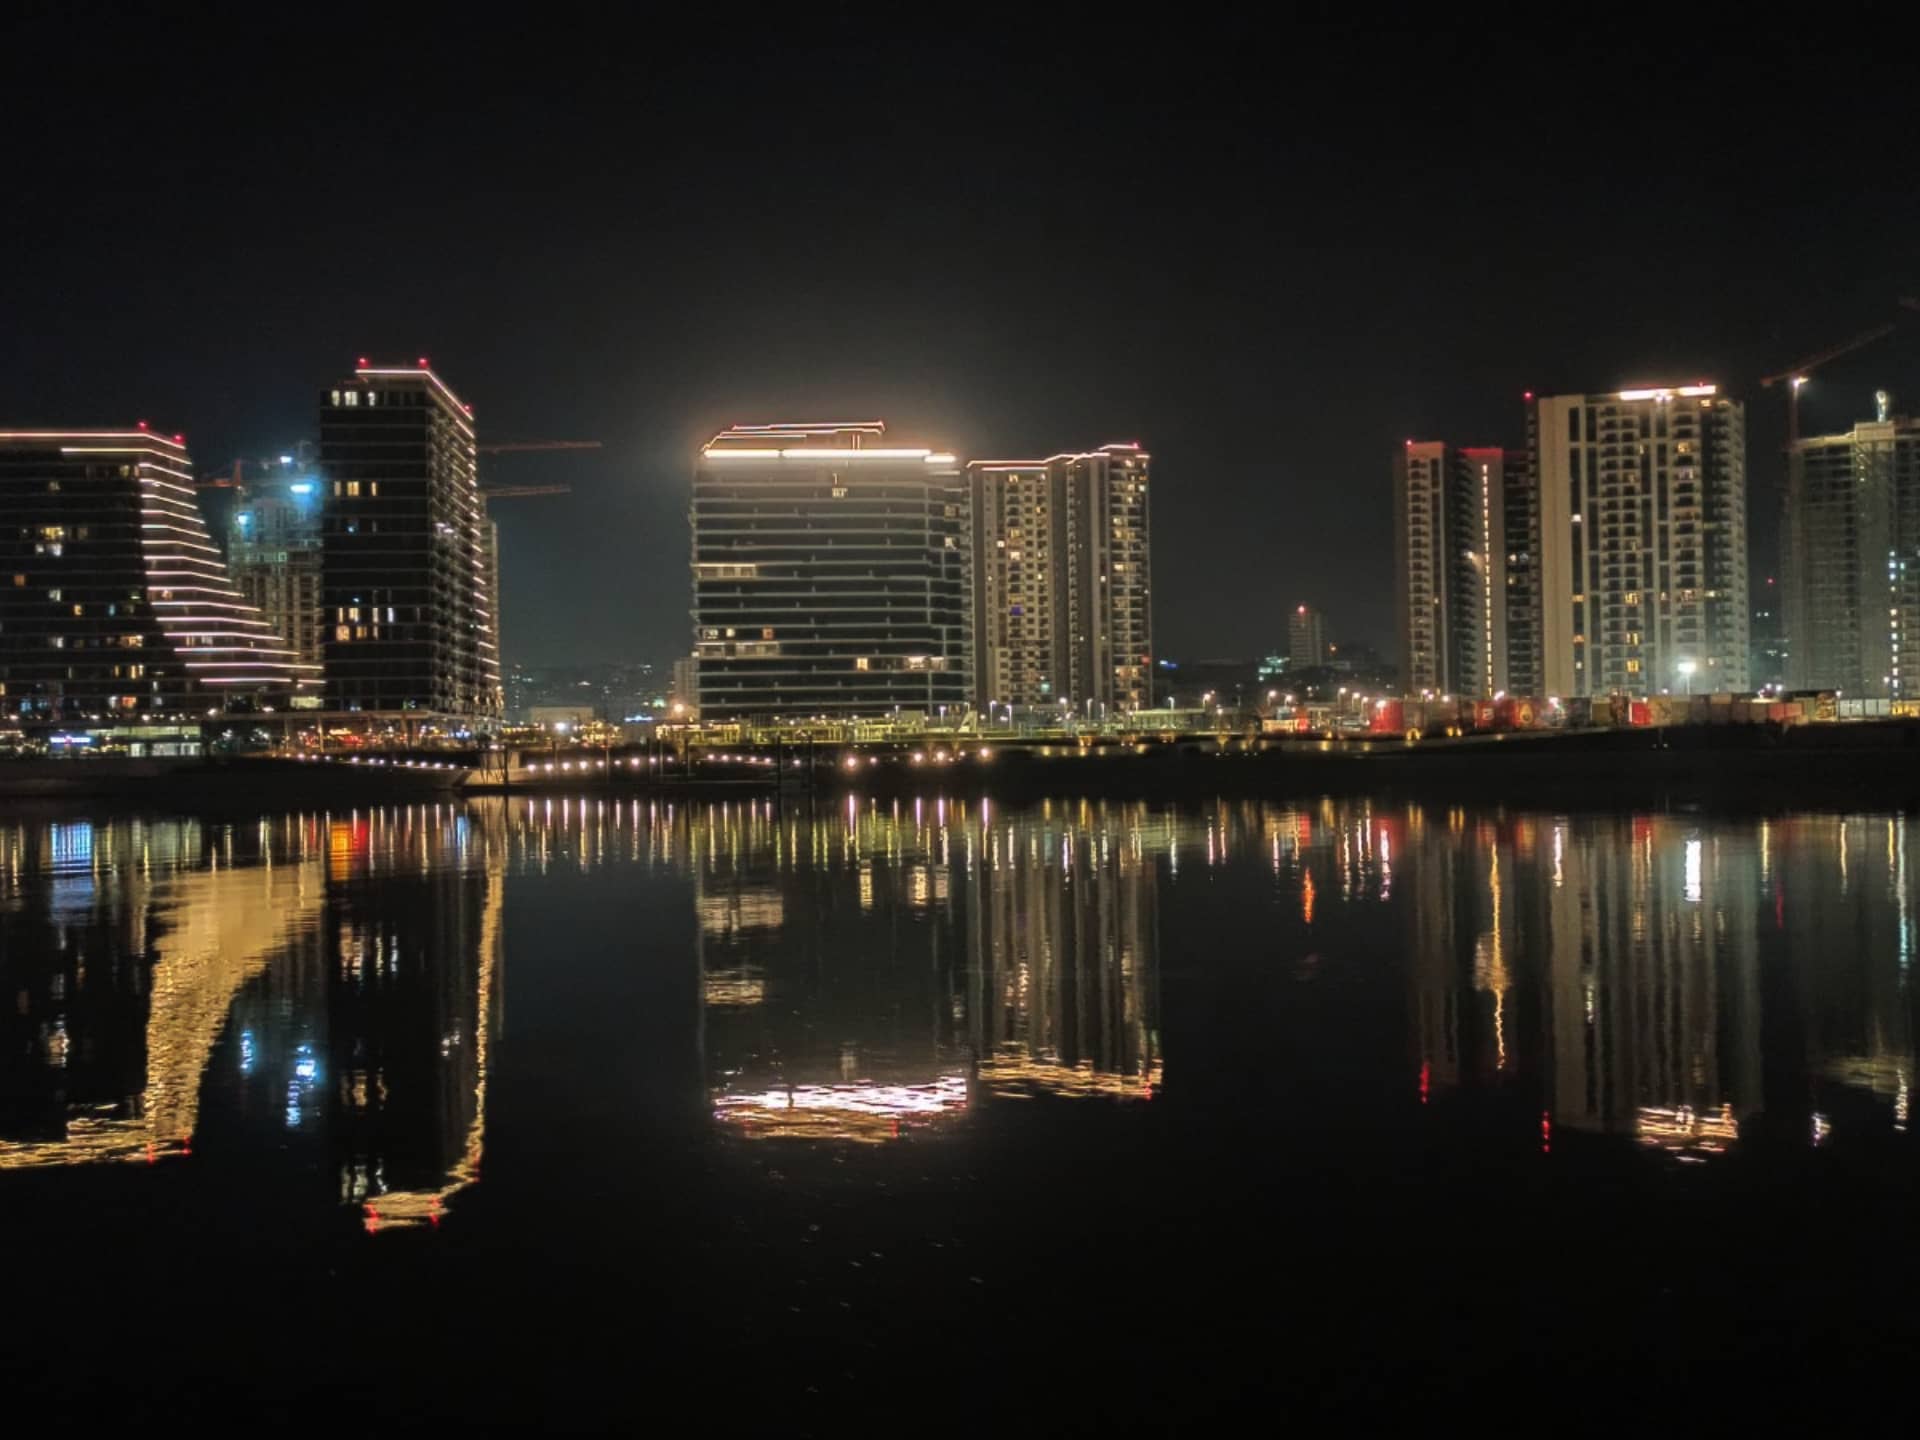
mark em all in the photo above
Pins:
pixel 1642 552
pixel 1462 522
pixel 1062 581
pixel 407 556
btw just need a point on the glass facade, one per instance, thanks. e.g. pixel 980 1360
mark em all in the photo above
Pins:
pixel 829 576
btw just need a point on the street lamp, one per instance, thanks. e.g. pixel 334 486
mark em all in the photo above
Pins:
pixel 1686 669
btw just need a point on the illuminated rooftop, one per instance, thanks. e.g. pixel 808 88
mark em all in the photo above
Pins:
pixel 1129 450
pixel 815 440
pixel 1666 392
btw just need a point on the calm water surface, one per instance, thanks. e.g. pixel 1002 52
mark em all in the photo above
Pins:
pixel 1078 1115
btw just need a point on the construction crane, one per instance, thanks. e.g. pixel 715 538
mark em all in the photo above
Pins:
pixel 515 447
pixel 517 492
pixel 518 447
pixel 1796 377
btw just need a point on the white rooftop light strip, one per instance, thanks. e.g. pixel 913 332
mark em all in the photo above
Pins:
pixel 810 452
pixel 808 427
pixel 139 437
pixel 1690 392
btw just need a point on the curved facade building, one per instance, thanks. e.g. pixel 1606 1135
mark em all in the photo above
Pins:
pixel 115 604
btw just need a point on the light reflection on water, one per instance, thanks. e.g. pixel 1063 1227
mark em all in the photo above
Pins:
pixel 323 993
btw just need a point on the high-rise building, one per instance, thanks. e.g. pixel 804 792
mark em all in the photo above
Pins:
pixel 1526 667
pixel 1767 637
pixel 1454 553
pixel 1852 559
pixel 1306 638
pixel 1062 581
pixel 273 544
pixel 114 603
pixel 829 575
pixel 407 558
pixel 1643 541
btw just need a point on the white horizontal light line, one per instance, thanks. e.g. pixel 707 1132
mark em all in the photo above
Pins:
pixel 824 453
pixel 135 435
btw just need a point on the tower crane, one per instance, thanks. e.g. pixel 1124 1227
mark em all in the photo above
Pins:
pixel 517 447
pixel 1796 377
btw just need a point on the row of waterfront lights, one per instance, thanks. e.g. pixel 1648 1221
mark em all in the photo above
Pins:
pixel 922 757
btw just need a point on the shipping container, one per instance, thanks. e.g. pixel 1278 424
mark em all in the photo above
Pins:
pixel 1848 707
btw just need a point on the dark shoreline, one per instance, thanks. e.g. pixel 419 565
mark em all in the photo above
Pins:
pixel 1754 769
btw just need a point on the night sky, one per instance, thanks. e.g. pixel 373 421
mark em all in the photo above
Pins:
pixel 1268 251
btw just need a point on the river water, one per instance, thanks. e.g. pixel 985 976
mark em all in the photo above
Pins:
pixel 928 1112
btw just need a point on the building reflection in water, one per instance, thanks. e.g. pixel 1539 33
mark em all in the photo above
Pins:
pixel 310 989
pixel 321 992
pixel 1674 979
pixel 870 968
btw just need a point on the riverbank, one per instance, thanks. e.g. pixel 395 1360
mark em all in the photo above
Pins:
pixel 266 780
pixel 1744 766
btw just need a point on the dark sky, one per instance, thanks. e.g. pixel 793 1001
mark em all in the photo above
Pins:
pixel 1269 249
